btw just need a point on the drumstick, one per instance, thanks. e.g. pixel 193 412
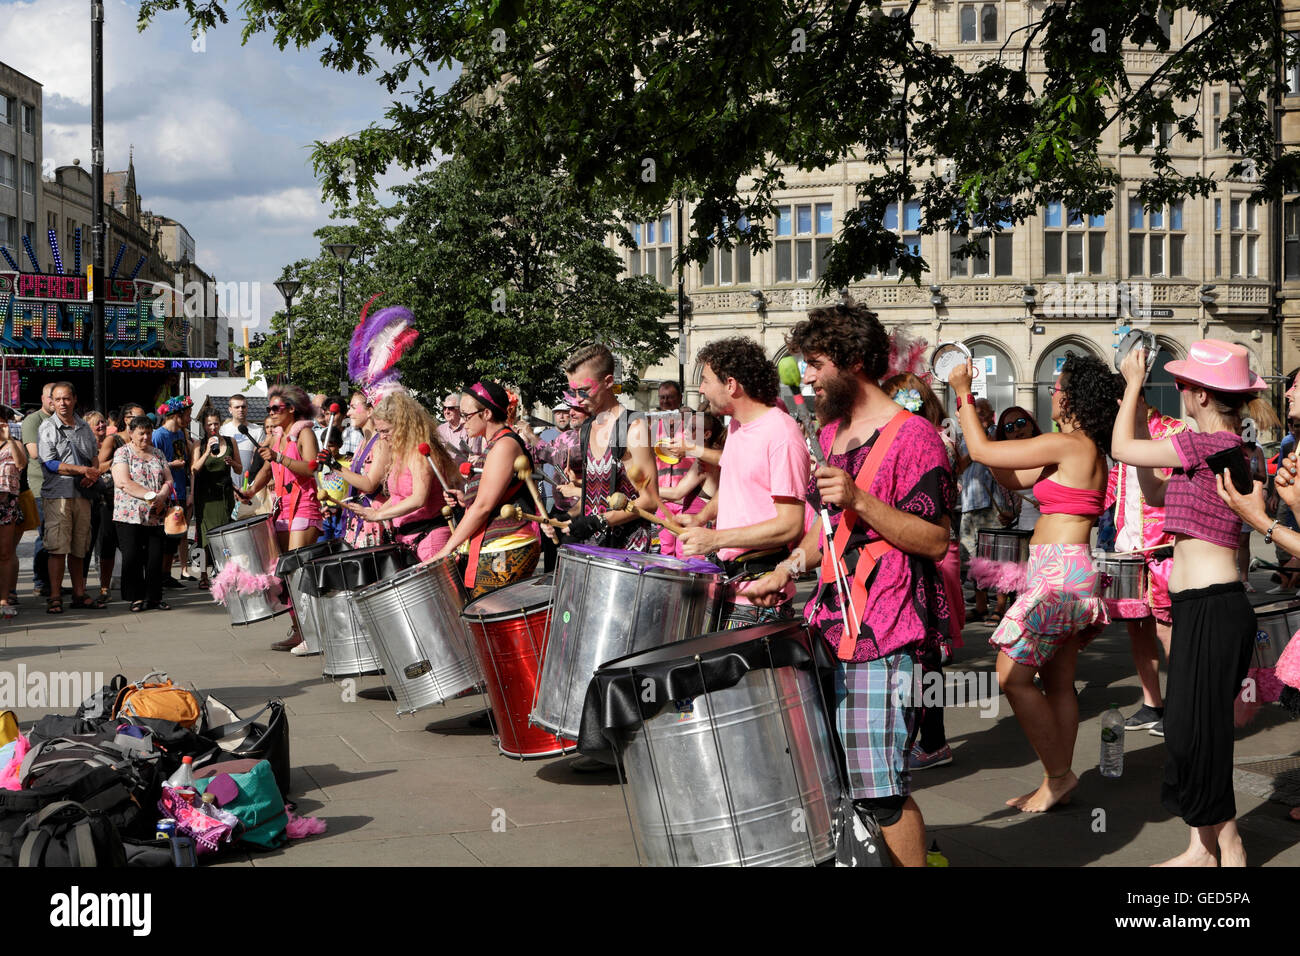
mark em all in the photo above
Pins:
pixel 426 451
pixel 1154 547
pixel 447 512
pixel 515 513
pixel 524 471
pixel 618 502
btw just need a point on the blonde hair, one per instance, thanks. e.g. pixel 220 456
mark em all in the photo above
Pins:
pixel 93 418
pixel 411 425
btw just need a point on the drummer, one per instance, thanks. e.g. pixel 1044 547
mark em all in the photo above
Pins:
pixel 899 530
pixel 367 469
pixel 484 408
pixel 1140 527
pixel 616 456
pixel 763 478
pixel 291 453
pixel 415 492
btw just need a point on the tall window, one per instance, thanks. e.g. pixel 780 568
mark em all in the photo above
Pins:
pixel 8 106
pixel 1073 244
pixel 979 22
pixel 1216 127
pixel 910 213
pixel 654 253
pixel 999 244
pixel 1291 239
pixel 29 178
pixel 1218 238
pixel 8 231
pixel 6 170
pixel 803 241
pixel 29 118
pixel 1243 238
pixel 729 266
pixel 1156 239
pixel 1292 64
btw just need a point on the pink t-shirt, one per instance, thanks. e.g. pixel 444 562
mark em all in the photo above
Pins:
pixel 762 460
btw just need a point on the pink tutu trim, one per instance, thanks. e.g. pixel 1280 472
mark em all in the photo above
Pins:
pixel 235 579
pixel 1288 664
pixel 1127 609
pixel 1005 576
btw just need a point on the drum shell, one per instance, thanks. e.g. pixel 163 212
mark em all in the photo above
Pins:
pixel 1003 544
pixel 1127 577
pixel 413 620
pixel 346 647
pixel 1275 624
pixel 604 609
pixel 511 648
pixel 251 542
pixel 292 568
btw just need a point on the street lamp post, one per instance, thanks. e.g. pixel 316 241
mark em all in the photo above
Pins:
pixel 342 251
pixel 288 288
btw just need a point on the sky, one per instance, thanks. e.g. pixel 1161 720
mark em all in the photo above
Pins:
pixel 222 133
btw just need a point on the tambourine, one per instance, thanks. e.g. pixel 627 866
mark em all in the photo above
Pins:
pixel 1132 339
pixel 946 357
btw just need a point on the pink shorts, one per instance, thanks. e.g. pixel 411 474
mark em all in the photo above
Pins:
pixel 429 545
pixel 300 523
pixel 668 540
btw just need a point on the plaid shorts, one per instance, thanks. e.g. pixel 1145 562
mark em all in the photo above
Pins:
pixel 735 616
pixel 876 724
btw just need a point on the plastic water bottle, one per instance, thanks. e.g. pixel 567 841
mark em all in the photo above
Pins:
pixel 184 775
pixel 1112 742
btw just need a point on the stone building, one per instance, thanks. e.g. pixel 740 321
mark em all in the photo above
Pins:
pixel 21 162
pixel 1197 268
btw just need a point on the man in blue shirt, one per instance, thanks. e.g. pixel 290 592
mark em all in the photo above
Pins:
pixel 68 452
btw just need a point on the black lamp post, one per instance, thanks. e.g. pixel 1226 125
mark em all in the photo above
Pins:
pixel 288 288
pixel 342 251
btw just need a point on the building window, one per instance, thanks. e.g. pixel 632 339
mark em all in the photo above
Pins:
pixel 1073 244
pixel 1156 239
pixel 1291 239
pixel 653 255
pixel 803 241
pixel 6 170
pixel 910 234
pixel 1218 238
pixel 1216 127
pixel 979 22
pixel 8 231
pixel 1291 70
pixel 8 105
pixel 29 118
pixel 732 266
pixel 29 178
pixel 979 265
pixel 1243 238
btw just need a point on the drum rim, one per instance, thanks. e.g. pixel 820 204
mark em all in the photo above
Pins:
pixel 1014 532
pixel 241 524
pixel 625 665
pixel 649 570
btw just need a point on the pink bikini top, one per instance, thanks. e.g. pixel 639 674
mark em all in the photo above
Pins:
pixel 1057 499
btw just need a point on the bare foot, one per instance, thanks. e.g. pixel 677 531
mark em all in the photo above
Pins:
pixel 1192 856
pixel 1021 800
pixel 1050 794
pixel 1232 853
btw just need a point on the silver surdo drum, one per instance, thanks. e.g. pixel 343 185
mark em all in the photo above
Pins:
pixel 609 603
pixel 726 745
pixel 1126 577
pixel 334 581
pixel 413 620
pixel 249 543
pixel 1275 623
pixel 1003 544
pixel 291 569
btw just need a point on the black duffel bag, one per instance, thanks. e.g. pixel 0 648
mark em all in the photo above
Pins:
pixel 255 738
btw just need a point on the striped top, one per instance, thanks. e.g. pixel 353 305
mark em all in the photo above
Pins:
pixel 1192 503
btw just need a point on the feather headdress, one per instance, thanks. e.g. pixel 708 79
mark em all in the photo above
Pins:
pixel 907 354
pixel 378 342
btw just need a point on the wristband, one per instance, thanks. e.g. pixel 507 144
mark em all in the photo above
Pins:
pixel 967 399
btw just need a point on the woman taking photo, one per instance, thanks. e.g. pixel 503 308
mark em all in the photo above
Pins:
pixel 415 499
pixel 1058 612
pixel 367 469
pixel 1213 621
pixel 291 452
pixel 214 489
pixel 13 459
pixel 484 408
pixel 142 488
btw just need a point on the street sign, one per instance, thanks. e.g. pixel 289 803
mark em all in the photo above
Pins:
pixel 1153 313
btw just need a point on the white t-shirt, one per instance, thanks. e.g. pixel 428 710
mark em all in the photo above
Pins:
pixel 246 447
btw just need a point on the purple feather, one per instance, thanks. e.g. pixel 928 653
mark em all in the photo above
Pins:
pixel 366 331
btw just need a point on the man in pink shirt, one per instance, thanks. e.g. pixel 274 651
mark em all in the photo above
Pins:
pixel 764 473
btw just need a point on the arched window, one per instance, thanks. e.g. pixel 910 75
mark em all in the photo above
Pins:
pixel 994 365
pixel 989 23
pixel 968 26
pixel 1049 366
pixel 1161 392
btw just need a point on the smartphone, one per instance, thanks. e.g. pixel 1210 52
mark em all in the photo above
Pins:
pixel 1233 459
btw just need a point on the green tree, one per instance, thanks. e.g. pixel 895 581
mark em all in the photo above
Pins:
pixel 639 102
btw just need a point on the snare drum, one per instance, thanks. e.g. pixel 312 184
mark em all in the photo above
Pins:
pixel 413 620
pixel 1124 587
pixel 507 559
pixel 334 580
pixel 509 628
pixel 725 739
pixel 1003 544
pixel 609 603
pixel 1275 623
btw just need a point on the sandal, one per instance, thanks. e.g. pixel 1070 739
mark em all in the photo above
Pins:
pixel 160 606
pixel 106 594
pixel 994 618
pixel 137 606
pixel 54 605
pixel 83 602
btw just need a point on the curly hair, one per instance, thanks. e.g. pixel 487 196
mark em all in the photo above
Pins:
pixel 931 408
pixel 743 359
pixel 411 425
pixel 1090 396
pixel 846 334
pixel 293 396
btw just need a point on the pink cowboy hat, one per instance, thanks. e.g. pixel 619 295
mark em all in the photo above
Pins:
pixel 1217 365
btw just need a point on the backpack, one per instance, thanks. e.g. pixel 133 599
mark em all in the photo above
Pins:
pixel 65 833
pixel 165 701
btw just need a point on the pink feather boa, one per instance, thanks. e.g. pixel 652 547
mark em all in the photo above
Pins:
pixel 235 577
pixel 1004 576
pixel 299 827
pixel 1288 664
pixel 9 779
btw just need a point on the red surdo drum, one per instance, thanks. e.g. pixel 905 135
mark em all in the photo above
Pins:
pixel 509 630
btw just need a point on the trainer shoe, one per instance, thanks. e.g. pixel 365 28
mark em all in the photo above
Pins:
pixel 1277 590
pixel 1145 718
pixel 920 760
pixel 1159 729
pixel 301 650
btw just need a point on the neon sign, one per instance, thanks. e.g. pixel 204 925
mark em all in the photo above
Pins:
pixel 118 363
pixel 52 312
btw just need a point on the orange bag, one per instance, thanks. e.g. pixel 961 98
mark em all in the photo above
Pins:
pixel 164 701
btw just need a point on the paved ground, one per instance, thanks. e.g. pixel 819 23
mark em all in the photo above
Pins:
pixel 430 790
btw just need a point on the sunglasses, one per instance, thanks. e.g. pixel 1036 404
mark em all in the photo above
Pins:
pixel 465 414
pixel 276 408
pixel 449 408
pixel 1182 386
pixel 1009 427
